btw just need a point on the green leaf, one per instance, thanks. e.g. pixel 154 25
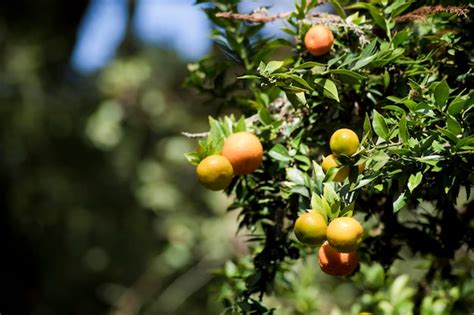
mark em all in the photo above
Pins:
pixel 456 105
pixel 330 89
pixel 347 75
pixel 265 116
pixel 374 12
pixel 310 64
pixel 272 66
pixel 399 201
pixel 279 153
pixel 339 9
pixel 380 126
pixel 248 77
pixel 453 125
pixel 403 131
pixel 295 175
pixel 193 158
pixel 414 181
pixel 441 93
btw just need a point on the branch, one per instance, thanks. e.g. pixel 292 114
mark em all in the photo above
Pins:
pixel 257 17
pixel 423 12
pixel 195 135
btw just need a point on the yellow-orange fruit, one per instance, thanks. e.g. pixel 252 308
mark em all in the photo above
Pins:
pixel 215 172
pixel 345 234
pixel 344 142
pixel 318 40
pixel 244 151
pixel 310 228
pixel 335 263
pixel 330 162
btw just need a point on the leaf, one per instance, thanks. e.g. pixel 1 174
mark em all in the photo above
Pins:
pixel 414 181
pixel 330 89
pixel 456 105
pixel 193 158
pixel 453 125
pixel 402 128
pixel 272 66
pixel 374 12
pixel 339 9
pixel 248 77
pixel 347 75
pixel 399 201
pixel 310 64
pixel 380 126
pixel 265 116
pixel 279 153
pixel 441 93
pixel 295 175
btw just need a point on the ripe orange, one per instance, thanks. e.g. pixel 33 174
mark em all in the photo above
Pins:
pixel 318 40
pixel 335 263
pixel 214 172
pixel 310 228
pixel 345 234
pixel 330 162
pixel 344 142
pixel 244 151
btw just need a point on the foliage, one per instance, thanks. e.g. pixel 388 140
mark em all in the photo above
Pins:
pixel 405 85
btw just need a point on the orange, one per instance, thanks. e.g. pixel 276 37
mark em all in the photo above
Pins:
pixel 345 234
pixel 214 172
pixel 330 162
pixel 244 151
pixel 318 40
pixel 335 263
pixel 344 142
pixel 310 228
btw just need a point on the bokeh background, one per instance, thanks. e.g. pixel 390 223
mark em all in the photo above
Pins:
pixel 99 211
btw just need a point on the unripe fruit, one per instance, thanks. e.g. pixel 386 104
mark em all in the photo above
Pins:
pixel 330 162
pixel 345 234
pixel 344 142
pixel 335 263
pixel 244 151
pixel 318 40
pixel 310 228
pixel 214 172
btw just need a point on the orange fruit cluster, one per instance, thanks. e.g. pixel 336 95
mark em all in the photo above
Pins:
pixel 241 154
pixel 340 241
pixel 343 142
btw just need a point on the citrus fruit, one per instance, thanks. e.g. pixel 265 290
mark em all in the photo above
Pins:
pixel 318 40
pixel 244 151
pixel 330 162
pixel 214 172
pixel 345 234
pixel 335 263
pixel 310 228
pixel 344 142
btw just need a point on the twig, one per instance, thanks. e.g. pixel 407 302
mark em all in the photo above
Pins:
pixel 256 17
pixel 195 135
pixel 421 13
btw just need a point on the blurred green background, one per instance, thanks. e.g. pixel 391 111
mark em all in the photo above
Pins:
pixel 100 212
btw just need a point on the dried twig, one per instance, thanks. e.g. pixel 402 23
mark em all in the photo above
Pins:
pixel 256 17
pixel 195 135
pixel 423 12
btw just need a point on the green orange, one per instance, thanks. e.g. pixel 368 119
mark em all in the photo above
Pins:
pixel 344 142
pixel 215 172
pixel 331 162
pixel 310 228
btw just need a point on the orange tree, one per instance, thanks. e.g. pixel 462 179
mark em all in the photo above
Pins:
pixel 398 74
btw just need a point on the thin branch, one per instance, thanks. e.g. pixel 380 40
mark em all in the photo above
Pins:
pixel 195 135
pixel 257 17
pixel 423 12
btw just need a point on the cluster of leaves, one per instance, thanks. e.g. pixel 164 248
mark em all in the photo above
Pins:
pixel 407 90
